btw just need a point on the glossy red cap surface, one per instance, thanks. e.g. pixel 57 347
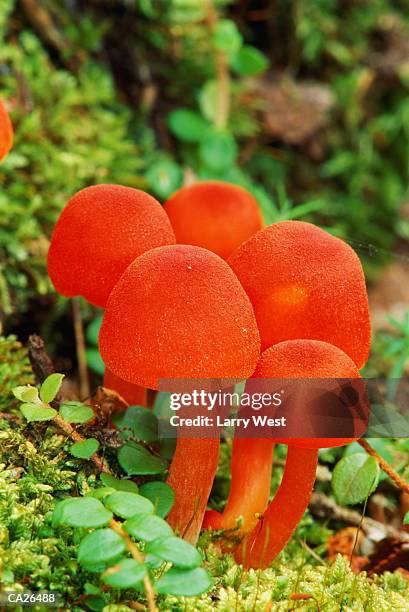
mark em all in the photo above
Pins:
pixel 179 312
pixel 100 232
pixel 215 215
pixel 305 283
pixel 6 132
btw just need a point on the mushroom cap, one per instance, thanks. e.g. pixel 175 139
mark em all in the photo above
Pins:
pixel 308 359
pixel 6 132
pixel 179 312
pixel 305 283
pixel 100 232
pixel 214 215
pixel 134 395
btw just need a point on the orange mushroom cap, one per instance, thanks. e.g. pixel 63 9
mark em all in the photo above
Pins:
pixel 179 312
pixel 305 283
pixel 99 233
pixel 307 359
pixel 6 132
pixel 134 395
pixel 215 215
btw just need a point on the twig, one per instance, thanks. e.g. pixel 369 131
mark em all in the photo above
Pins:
pixel 398 480
pixel 322 506
pixel 76 437
pixel 137 555
pixel 43 367
pixel 222 74
pixel 40 361
pixel 80 347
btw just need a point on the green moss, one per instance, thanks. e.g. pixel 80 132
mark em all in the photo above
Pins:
pixel 14 369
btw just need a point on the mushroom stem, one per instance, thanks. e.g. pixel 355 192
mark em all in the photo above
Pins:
pixel 251 466
pixel 134 395
pixel 282 516
pixel 191 476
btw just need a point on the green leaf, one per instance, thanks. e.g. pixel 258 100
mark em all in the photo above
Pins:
pixel 94 360
pixel 140 423
pixel 125 504
pixel 136 460
pixel 354 478
pixel 92 332
pixel 81 512
pixel 35 412
pixel 147 527
pixel 176 551
pixel 50 387
pixel 125 575
pixel 208 100
pixel 249 61
pixel 187 583
pixel 218 150
pixel 187 125
pixel 161 495
pixel 76 412
pixel 85 449
pixel 164 177
pixel 120 484
pixel 406 519
pixel 100 546
pixel 27 394
pixel 226 37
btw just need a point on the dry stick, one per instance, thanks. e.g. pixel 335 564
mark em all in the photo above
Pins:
pixel 43 367
pixel 137 555
pixel 398 480
pixel 80 346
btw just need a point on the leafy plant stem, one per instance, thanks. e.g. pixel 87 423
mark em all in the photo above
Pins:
pixel 137 555
pixel 398 480
pixel 76 437
pixel 222 74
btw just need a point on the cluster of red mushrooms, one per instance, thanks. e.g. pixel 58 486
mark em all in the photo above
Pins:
pixel 199 289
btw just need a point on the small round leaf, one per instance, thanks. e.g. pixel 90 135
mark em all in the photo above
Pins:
pixel 354 478
pixel 85 449
pixel 161 495
pixel 187 125
pixel 35 412
pixel 125 504
pixel 249 61
pixel 125 575
pixel 218 150
pixel 147 527
pixel 119 484
pixel 176 551
pixel 100 546
pixel 50 387
pixel 76 412
pixel 81 512
pixel 136 460
pixel 187 583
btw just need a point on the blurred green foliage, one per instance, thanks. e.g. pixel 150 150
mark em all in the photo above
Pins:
pixel 305 105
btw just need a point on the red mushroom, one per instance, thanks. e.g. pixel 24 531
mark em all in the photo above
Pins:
pixel 302 283
pixel 99 233
pixel 6 132
pixel 215 215
pixel 293 359
pixel 180 312
pixel 134 395
pixel 305 283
